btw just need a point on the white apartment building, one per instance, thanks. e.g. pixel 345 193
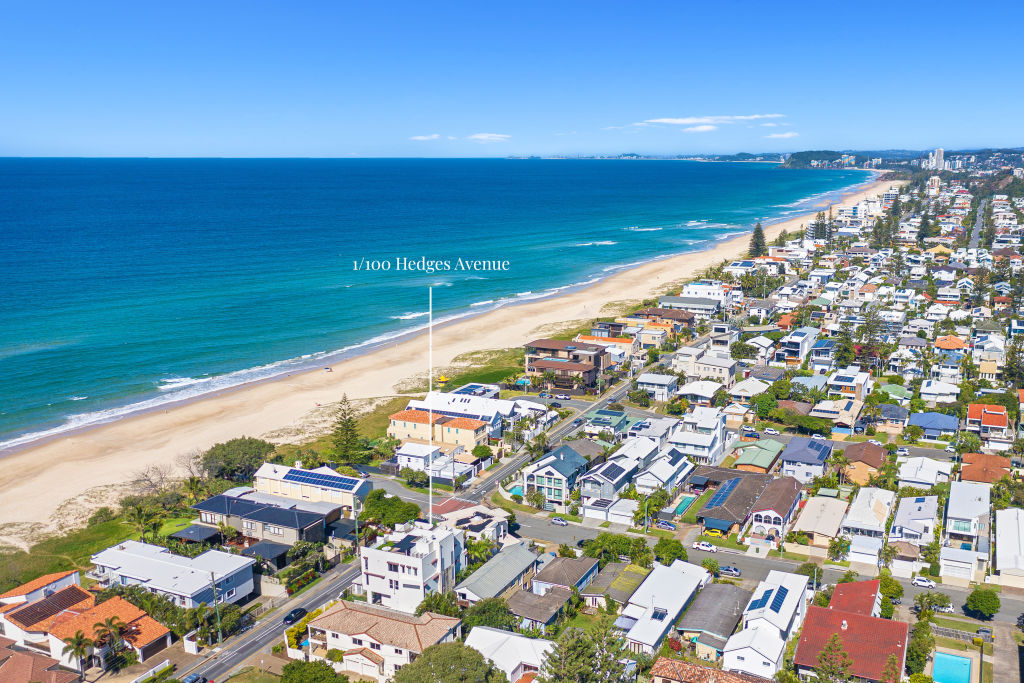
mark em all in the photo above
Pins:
pixel 399 570
pixel 702 438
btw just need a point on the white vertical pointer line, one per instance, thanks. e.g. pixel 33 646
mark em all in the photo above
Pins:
pixel 430 409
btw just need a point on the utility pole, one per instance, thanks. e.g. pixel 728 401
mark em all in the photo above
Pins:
pixel 430 406
pixel 216 606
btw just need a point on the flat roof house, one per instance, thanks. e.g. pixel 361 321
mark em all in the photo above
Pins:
pixel 712 618
pixel 185 581
pixel 965 537
pixel 1010 546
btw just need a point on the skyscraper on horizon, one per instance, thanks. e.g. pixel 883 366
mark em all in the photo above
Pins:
pixel 940 163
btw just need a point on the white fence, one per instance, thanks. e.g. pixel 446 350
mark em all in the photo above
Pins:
pixel 166 664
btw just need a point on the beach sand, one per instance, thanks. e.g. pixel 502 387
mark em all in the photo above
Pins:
pixel 55 485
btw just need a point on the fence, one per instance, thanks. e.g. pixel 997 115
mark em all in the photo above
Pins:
pixel 959 635
pixel 166 664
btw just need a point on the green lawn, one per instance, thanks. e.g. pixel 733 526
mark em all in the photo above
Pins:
pixel 584 621
pixel 730 542
pixel 729 462
pixel 960 623
pixel 253 675
pixel 173 524
pixel 690 516
pixel 511 505
pixel 372 424
pixel 483 367
pixel 651 531
pixel 954 644
pixel 795 557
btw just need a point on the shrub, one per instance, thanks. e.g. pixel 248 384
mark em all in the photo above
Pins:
pixel 335 655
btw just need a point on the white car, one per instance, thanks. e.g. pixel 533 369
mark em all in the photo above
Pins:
pixel 951 449
pixel 771 431
pixel 876 442
pixel 922 582
pixel 818 437
pixel 902 450
pixel 747 428
pixel 563 397
pixel 705 546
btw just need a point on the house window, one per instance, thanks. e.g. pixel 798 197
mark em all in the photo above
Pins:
pixel 398 651
pixel 248 525
pixel 374 646
pixel 275 530
pixel 393 584
pixel 392 567
pixel 357 641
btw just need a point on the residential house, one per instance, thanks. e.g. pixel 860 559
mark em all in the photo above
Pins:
pixel 842 412
pixel 535 611
pixel 821 520
pixel 804 458
pixel 984 468
pixel 400 569
pixel 667 670
pixel 865 461
pixel 555 475
pixel 213 576
pixel 850 382
pixel 729 509
pixel 717 368
pixel 868 641
pixel 712 618
pixel 965 537
pixel 922 472
pixel 476 521
pixel 935 426
pixel 571 363
pixel 618 580
pixel 375 642
pixel 991 423
pixel 517 656
pixel 869 513
pixel 658 387
pixel 667 471
pixel 757 456
pixel 657 604
pixel 614 423
pixel 795 346
pixel 511 569
pixel 742 392
pixel 774 510
pixel 566 573
pixel 425 426
pixel 320 485
pixel 765 348
pixel 934 391
pixel 702 437
pixel 823 355
pixel 701 308
pixel 916 520
pixel 774 613
pixel 25 666
pixel 1010 546
pixel 699 393
pixel 281 520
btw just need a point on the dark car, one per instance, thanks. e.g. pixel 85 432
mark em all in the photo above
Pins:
pixel 554 404
pixel 985 631
pixel 577 421
pixel 294 616
pixel 544 394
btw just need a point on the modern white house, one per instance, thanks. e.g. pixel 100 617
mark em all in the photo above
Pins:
pixel 515 654
pixel 702 438
pixel 773 615
pixel 1010 546
pixel 936 391
pixel 185 581
pixel 965 538
pixel 401 568
pixel 656 605
pixel 923 473
pixel 658 387
pixel 376 641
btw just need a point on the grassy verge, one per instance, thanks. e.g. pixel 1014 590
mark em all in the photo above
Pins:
pixel 690 516
pixel 730 542
pixel 511 505
pixel 795 557
pixel 373 424
pixel 961 624
pixel 954 644
pixel 605 524
pixel 423 489
pixel 481 367
pixel 651 531
pixel 254 675
pixel 566 516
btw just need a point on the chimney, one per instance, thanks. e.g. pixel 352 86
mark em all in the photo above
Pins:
pixel 844 624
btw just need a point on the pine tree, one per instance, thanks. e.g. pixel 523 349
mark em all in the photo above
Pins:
pixel 608 653
pixel 571 660
pixel 758 246
pixel 891 673
pixel 348 446
pixel 833 662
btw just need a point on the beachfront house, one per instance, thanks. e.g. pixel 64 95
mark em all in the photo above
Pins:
pixel 567 364
pixel 555 475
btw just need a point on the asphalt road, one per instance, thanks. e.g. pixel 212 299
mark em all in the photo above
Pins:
pixel 270 629
pixel 979 219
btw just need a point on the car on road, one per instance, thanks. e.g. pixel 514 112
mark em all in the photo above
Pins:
pixel 715 533
pixel 544 394
pixel 922 582
pixel 875 442
pixel 747 428
pixel 563 397
pixel 951 449
pixel 194 678
pixel 752 435
pixel 771 431
pixel 558 521
pixel 554 404
pixel 818 437
pixel 294 616
pixel 665 526
pixel 577 421
pixel 705 546
pixel 944 609
pixel 729 570
pixel 902 450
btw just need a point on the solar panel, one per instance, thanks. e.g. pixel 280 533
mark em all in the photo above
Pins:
pixel 722 493
pixel 761 601
pixel 318 479
pixel 780 597
pixel 659 614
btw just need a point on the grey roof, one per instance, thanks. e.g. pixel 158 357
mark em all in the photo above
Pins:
pixel 565 460
pixel 716 610
pixel 892 412
pixel 565 571
pixel 688 301
pixel 916 508
pixel 288 518
pixel 196 532
pixel 540 608
pixel 268 550
pixel 807 451
pixel 499 572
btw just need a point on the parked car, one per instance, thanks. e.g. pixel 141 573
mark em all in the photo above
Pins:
pixel 922 582
pixel 818 437
pixel 554 404
pixel 747 428
pixel 985 631
pixel 752 435
pixel 713 532
pixel 294 616
pixel 544 394
pixel 951 448
pixel 667 526
pixel 705 546
pixel 945 609
pixel 563 397
pixel 876 442
pixel 729 570
pixel 558 521
pixel 902 450
pixel 771 430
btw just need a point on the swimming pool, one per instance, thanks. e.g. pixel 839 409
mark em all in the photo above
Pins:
pixel 684 503
pixel 951 668
pixel 516 490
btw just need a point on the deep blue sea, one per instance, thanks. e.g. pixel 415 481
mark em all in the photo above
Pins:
pixel 128 283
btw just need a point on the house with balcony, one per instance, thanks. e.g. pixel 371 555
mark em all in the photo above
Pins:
pixel 850 382
pixel 510 570
pixel 658 387
pixel 400 569
pixel 774 510
pixel 774 614
pixel 375 642
pixel 656 605
pixel 717 368
pixel 869 512
pixel 702 437
pixel 823 355
pixel 702 308
pixel 916 520
pixel 256 518
pixel 428 427
pixel 319 485
pixel 795 346
pixel 601 486
pixel 965 537
pixel 572 364
pixel 992 424
pixel 555 475
pixel 804 458
pixel 667 471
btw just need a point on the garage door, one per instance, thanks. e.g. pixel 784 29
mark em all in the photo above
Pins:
pixel 959 571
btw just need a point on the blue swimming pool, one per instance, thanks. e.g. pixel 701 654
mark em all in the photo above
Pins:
pixel 951 668
pixel 516 490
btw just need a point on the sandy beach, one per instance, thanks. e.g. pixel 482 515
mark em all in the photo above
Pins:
pixel 55 485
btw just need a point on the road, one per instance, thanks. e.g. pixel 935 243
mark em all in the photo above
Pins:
pixel 979 218
pixel 270 629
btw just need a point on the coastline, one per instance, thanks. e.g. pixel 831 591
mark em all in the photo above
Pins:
pixel 56 482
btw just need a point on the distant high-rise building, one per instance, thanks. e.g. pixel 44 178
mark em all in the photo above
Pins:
pixel 940 164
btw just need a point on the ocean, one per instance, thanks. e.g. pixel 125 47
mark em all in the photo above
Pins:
pixel 126 284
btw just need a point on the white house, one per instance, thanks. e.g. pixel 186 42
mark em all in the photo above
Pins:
pixel 869 513
pixel 935 391
pixel 515 654
pixel 1010 546
pixel 923 473
pixel 702 438
pixel 772 616
pixel 658 602
pixel 658 387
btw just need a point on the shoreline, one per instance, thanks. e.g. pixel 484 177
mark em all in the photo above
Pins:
pixel 57 481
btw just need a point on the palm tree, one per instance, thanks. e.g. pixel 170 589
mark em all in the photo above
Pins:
pixel 510 381
pixel 549 378
pixel 888 554
pixel 109 631
pixel 194 487
pixel 141 517
pixel 78 646
pixel 479 550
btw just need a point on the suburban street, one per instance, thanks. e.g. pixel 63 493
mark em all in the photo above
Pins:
pixel 978 224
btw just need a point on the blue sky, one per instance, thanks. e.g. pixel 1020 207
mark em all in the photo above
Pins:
pixel 492 79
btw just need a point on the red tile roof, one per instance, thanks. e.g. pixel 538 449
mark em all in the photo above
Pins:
pixel 857 597
pixel 36 584
pixel 19 666
pixel 867 640
pixel 950 342
pixel 688 672
pixel 984 468
pixel 989 415
pixel 465 423
pixel 419 416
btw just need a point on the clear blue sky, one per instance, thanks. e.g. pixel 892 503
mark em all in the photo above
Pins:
pixel 478 78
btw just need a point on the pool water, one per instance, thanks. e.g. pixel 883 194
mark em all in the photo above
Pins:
pixel 684 503
pixel 951 668
pixel 516 490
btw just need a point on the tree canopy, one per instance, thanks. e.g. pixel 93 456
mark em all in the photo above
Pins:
pixel 310 672
pixel 450 663
pixel 390 511
pixel 492 612
pixel 237 459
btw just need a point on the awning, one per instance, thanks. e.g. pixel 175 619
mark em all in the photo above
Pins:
pixel 197 533
pixel 719 524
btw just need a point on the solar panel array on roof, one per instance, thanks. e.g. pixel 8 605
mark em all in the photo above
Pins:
pixel 613 472
pixel 780 597
pixel 332 481
pixel 722 493
pixel 50 606
pixel 761 601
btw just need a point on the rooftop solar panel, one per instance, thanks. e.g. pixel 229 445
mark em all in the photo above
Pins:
pixel 780 597
pixel 761 601
pixel 722 493
pixel 317 479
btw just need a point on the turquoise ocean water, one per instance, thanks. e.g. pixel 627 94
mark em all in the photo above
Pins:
pixel 126 284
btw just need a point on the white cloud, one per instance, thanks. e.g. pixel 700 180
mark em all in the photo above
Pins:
pixel 769 125
pixel 452 137
pixel 488 137
pixel 435 136
pixel 788 134
pixel 708 120
pixel 703 128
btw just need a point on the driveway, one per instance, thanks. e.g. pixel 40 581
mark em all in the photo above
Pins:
pixel 1007 656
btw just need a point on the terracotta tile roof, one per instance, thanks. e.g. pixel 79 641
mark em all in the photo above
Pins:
pixel 1020 395
pixel 465 423
pixel 19 666
pixel 366 652
pixel 950 342
pixel 386 626
pixel 419 416
pixel 143 629
pixel 36 584
pixel 984 468
pixel 857 597
pixel 867 453
pixel 989 415
pixel 527 677
pixel 38 615
pixel 867 640
pixel 687 672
